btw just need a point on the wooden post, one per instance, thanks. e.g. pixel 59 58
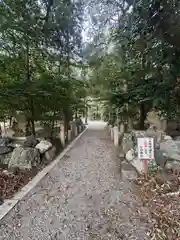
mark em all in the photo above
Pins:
pixel 145 163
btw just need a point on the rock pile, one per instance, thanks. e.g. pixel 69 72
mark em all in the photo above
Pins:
pixel 167 150
pixel 31 154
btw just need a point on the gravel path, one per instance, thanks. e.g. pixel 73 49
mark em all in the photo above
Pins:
pixel 82 198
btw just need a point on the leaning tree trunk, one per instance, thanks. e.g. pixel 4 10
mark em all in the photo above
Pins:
pixel 142 118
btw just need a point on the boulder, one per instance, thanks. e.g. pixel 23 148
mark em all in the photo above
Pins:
pixel 156 134
pixel 122 155
pixel 170 147
pixel 138 164
pixel 31 141
pixel 4 141
pixel 138 134
pixel 43 146
pixel 56 142
pixel 127 142
pixel 24 158
pixel 10 132
pixel 152 128
pixel 5 150
pixel 171 152
pixel 177 138
pixel 150 132
pixel 174 166
pixel 5 158
pixel 160 159
pixel 49 155
pixel 130 155
pixel 14 170
pixel 78 121
pixel 167 137
pixel 5 172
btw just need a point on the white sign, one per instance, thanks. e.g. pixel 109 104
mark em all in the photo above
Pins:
pixel 146 148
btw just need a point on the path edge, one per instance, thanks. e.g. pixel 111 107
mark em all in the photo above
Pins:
pixel 9 204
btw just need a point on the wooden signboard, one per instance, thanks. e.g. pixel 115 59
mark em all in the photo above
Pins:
pixel 145 151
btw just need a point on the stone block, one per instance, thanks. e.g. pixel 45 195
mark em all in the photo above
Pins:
pixel 121 128
pixel 76 131
pixel 72 127
pixel 69 135
pixel 109 127
pixel 116 136
pixel 112 133
pixel 62 135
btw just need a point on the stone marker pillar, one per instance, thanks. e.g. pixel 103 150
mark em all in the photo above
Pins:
pixel 62 135
pixel 112 134
pixel 80 129
pixel 116 137
pixel 72 125
pixel 76 131
pixel 122 128
pixel 110 126
pixel 129 123
pixel 69 135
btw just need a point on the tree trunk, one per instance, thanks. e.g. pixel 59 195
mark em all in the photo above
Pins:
pixel 10 121
pixel 5 133
pixel 32 116
pixel 33 127
pixel 48 10
pixel 28 127
pixel 30 98
pixel 86 114
pixel 76 113
pixel 142 118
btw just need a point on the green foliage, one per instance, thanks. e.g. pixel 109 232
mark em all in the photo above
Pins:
pixel 140 67
pixel 40 44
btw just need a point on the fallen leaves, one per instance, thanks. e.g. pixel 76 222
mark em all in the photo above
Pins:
pixel 11 183
pixel 158 194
